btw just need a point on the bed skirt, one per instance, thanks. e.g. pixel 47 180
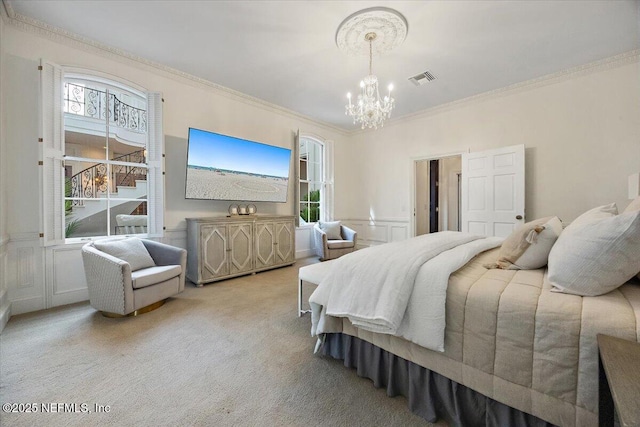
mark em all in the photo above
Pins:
pixel 430 395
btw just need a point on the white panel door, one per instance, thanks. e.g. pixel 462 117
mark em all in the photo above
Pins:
pixel 493 191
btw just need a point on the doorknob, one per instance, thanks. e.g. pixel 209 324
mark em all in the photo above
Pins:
pixel 518 216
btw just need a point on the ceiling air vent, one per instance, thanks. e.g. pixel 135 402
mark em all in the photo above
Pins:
pixel 422 78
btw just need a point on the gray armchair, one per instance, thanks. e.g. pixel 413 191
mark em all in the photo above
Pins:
pixel 126 278
pixel 333 248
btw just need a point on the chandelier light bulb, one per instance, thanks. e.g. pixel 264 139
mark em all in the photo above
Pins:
pixel 390 87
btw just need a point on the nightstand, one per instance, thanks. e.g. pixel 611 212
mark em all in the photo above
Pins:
pixel 619 381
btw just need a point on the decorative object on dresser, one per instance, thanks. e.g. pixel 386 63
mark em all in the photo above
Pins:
pixel 223 247
pixel 131 276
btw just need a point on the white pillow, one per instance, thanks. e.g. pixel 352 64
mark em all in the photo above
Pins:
pixel 596 257
pixel 131 250
pixel 605 211
pixel 332 228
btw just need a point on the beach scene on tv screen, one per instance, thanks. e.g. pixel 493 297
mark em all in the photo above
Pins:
pixel 221 167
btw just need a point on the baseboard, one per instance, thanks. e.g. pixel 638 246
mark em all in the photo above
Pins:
pixel 27 305
pixel 305 253
pixel 5 309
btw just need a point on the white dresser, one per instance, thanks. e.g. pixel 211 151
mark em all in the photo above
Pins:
pixel 228 246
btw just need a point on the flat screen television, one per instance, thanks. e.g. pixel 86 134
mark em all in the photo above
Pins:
pixel 221 167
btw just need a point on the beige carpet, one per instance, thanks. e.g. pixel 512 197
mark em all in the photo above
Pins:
pixel 233 353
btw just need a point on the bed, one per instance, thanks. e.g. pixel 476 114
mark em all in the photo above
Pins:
pixel 514 350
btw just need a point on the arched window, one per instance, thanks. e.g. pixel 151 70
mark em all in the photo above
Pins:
pixel 314 185
pixel 110 152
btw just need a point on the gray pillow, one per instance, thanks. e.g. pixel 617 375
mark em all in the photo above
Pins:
pixel 332 228
pixel 131 250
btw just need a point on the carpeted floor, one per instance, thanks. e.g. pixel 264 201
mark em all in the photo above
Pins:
pixel 233 353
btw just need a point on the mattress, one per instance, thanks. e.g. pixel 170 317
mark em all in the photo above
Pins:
pixel 509 337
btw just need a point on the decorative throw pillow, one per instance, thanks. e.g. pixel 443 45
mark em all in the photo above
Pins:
pixel 332 228
pixel 596 257
pixel 528 247
pixel 131 250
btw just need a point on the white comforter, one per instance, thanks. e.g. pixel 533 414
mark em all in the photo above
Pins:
pixel 397 288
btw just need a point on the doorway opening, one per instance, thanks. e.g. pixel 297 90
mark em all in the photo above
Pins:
pixel 438 191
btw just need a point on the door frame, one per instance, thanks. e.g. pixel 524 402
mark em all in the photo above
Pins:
pixel 413 187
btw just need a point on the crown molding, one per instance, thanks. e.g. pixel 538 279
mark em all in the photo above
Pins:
pixel 616 61
pixel 68 38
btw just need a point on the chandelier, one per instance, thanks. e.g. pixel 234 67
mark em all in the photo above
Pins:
pixel 369 110
pixel 356 36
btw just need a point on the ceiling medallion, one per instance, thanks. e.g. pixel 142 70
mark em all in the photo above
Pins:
pixel 371 30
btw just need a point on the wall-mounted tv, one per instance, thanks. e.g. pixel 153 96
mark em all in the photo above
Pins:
pixel 221 167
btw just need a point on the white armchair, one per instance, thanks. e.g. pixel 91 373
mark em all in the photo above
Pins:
pixel 332 240
pixel 132 276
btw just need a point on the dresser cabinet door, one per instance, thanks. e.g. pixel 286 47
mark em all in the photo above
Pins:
pixel 265 244
pixel 285 242
pixel 214 256
pixel 241 245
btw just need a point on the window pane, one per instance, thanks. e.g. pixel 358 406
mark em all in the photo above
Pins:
pixel 127 113
pixel 85 179
pixel 80 144
pixel 303 148
pixel 85 99
pixel 304 190
pixel 303 169
pixel 304 213
pixel 315 171
pixel 314 212
pixel 87 220
pixel 315 153
pixel 129 217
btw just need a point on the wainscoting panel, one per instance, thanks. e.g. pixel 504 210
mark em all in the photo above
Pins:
pixel 376 232
pixel 305 243
pixel 25 273
pixel 25 266
pixel 66 282
pixel 399 232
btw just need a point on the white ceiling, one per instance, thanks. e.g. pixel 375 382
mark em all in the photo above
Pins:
pixel 284 52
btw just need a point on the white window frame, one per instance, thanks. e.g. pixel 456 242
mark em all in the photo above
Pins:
pixel 326 181
pixel 52 153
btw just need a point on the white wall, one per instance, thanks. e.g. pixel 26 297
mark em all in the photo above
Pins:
pixel 581 132
pixel 5 307
pixel 33 278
